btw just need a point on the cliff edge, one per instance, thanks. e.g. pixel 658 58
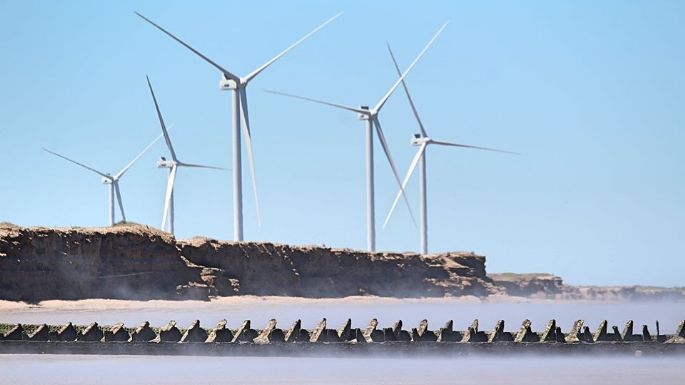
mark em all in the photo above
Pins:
pixel 138 262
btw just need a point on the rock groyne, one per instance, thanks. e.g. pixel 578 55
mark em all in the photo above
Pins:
pixel 172 339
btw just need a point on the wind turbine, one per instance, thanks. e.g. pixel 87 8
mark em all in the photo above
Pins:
pixel 238 86
pixel 423 141
pixel 172 165
pixel 370 115
pixel 111 180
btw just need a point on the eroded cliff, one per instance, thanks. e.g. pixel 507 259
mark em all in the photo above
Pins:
pixel 138 262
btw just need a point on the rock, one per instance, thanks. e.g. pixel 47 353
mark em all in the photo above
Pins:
pixel 448 334
pixel 170 333
pixel 220 333
pixel 422 334
pixel 576 332
pixel 319 333
pixel 601 333
pixel 42 333
pixel 401 335
pixel 628 334
pixel 525 334
pixel 345 332
pixel 499 335
pixel 143 333
pixel 91 333
pixel 549 334
pixel 116 333
pixel 646 336
pixel 16 333
pixel 67 333
pixel 263 336
pixel 293 334
pixel 586 336
pixel 474 335
pixel 370 330
pixel 244 333
pixel 196 334
pixel 559 336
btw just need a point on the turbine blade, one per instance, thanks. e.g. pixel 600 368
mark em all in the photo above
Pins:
pixel 226 73
pixel 121 204
pixel 167 196
pixel 165 132
pixel 201 166
pixel 79 164
pixel 123 171
pixel 410 171
pixel 406 91
pixel 256 72
pixel 406 72
pixel 344 107
pixel 441 143
pixel 250 151
pixel 384 144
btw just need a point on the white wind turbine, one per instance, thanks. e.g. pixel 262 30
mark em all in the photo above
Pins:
pixel 111 180
pixel 238 85
pixel 423 141
pixel 370 115
pixel 172 165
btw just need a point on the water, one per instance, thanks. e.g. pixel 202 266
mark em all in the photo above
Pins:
pixel 32 369
pixel 360 309
pixel 104 370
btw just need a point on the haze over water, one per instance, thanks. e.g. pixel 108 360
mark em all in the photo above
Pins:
pixel 58 369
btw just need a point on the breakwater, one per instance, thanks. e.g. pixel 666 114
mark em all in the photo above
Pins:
pixel 395 339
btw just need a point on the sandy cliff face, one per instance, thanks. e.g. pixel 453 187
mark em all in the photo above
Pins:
pixel 132 262
pixel 138 262
pixel 273 269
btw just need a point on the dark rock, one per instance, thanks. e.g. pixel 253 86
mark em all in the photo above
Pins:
pixel 576 331
pixel 293 333
pixel 628 334
pixel 319 333
pixel 244 333
pixel 601 334
pixel 116 333
pixel 220 334
pixel 143 333
pixel 549 334
pixel 91 333
pixel 195 333
pixel 170 333
pixel 525 334
pixel 345 332
pixel 16 333
pixel 67 333
pixel 42 333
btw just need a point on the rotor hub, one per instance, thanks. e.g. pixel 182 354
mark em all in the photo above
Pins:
pixel 228 84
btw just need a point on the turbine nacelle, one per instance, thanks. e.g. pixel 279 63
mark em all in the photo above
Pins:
pixel 227 84
pixel 164 163
pixel 418 140
pixel 107 179
pixel 365 116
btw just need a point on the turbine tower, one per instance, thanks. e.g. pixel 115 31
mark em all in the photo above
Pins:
pixel 111 180
pixel 238 86
pixel 370 115
pixel 422 140
pixel 172 165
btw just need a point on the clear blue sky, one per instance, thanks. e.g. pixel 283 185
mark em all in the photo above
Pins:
pixel 592 93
